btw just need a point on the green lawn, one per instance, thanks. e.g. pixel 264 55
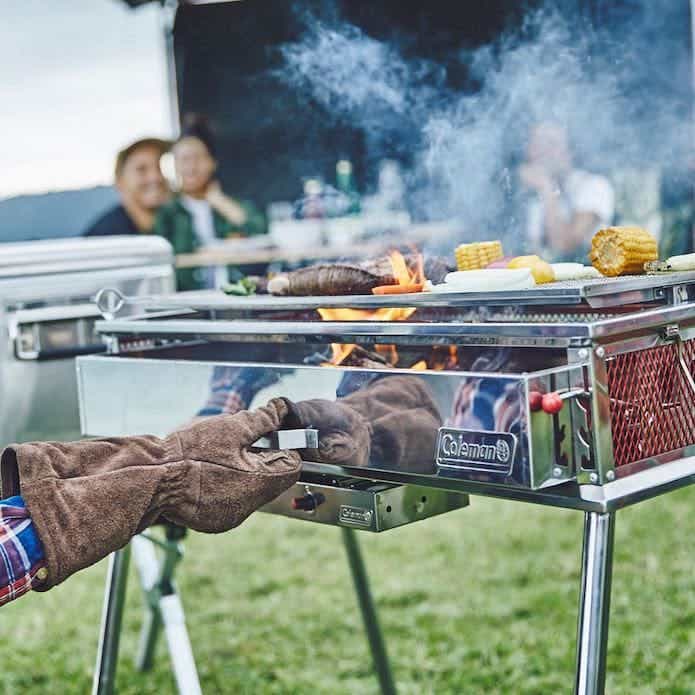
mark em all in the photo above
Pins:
pixel 482 600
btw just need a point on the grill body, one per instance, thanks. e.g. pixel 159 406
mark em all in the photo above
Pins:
pixel 619 354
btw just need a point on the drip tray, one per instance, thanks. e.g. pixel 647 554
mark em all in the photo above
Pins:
pixel 362 504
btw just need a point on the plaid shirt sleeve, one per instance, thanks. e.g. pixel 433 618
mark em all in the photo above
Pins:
pixel 21 552
pixel 233 388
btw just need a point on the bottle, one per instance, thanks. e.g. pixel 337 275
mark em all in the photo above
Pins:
pixel 312 204
pixel 345 183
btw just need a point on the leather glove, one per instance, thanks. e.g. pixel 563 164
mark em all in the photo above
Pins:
pixel 89 498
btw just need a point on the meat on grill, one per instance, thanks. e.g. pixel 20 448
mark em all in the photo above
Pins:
pixel 331 279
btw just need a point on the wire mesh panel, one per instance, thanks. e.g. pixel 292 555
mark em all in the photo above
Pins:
pixel 651 400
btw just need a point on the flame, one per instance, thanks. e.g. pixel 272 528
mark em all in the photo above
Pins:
pixel 403 276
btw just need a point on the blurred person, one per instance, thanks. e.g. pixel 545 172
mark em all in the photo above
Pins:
pixel 200 215
pixel 142 188
pixel 68 505
pixel 568 205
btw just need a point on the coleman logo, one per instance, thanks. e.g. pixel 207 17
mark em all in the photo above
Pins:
pixel 474 450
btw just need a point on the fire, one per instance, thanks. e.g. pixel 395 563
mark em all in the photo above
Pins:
pixel 403 276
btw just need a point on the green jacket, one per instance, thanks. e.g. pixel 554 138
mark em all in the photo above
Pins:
pixel 175 224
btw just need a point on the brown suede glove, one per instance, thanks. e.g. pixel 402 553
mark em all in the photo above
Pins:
pixel 89 498
pixel 393 420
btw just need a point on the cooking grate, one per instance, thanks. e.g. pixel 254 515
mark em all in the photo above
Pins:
pixel 651 401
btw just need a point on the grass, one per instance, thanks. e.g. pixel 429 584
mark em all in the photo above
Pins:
pixel 482 600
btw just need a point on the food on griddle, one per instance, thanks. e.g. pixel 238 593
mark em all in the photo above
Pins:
pixel 486 280
pixel 398 289
pixel 622 250
pixel 574 271
pixel 329 279
pixel 242 288
pixel 542 272
pixel 435 267
pixel 675 263
pixel 478 255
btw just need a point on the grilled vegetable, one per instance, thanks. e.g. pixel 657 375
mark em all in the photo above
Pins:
pixel 574 271
pixel 397 289
pixel 686 262
pixel 328 279
pixel 541 271
pixel 242 288
pixel 478 254
pixel 622 250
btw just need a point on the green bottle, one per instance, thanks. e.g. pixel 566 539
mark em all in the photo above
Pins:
pixel 345 183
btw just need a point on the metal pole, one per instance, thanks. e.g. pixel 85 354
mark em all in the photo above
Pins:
pixel 369 616
pixel 111 618
pixel 594 603
pixel 164 608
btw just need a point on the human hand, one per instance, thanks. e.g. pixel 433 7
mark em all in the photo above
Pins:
pixel 213 191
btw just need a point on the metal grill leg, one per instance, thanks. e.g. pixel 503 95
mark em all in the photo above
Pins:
pixel 369 616
pixel 111 618
pixel 594 603
pixel 164 609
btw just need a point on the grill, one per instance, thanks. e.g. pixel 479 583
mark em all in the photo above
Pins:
pixel 578 395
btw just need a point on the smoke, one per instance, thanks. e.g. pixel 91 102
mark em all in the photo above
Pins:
pixel 464 147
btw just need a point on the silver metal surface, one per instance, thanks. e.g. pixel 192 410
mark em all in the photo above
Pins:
pixel 46 317
pixel 490 332
pixel 594 603
pixel 21 260
pixel 601 292
pixel 112 616
pixel 158 395
pixel 365 505
pixel 289 439
pixel 164 610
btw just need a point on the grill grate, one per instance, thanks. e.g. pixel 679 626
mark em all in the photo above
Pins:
pixel 652 405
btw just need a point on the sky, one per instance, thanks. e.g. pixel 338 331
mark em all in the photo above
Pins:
pixel 79 79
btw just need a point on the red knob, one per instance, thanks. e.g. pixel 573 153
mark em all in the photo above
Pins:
pixel 308 502
pixel 535 400
pixel 551 403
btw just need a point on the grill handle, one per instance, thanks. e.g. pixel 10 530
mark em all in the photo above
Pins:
pixel 289 439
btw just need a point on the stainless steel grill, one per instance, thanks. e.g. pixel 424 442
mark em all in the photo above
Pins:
pixel 576 394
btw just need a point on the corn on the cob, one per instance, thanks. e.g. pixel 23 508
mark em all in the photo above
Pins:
pixel 478 255
pixel 622 250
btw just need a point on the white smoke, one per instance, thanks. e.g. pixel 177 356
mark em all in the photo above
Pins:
pixel 464 147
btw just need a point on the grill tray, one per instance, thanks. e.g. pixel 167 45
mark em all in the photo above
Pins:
pixel 595 293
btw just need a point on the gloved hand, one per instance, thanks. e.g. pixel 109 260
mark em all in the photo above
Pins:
pixel 87 499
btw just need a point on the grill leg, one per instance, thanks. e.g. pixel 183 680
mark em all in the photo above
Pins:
pixel 369 616
pixel 594 603
pixel 164 609
pixel 111 618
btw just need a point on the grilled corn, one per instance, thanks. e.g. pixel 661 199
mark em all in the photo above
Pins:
pixel 478 255
pixel 622 250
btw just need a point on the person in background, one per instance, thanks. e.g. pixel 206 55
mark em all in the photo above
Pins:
pixel 142 187
pixel 201 214
pixel 567 204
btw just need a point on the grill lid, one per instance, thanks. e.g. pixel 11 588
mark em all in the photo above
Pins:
pixel 52 257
